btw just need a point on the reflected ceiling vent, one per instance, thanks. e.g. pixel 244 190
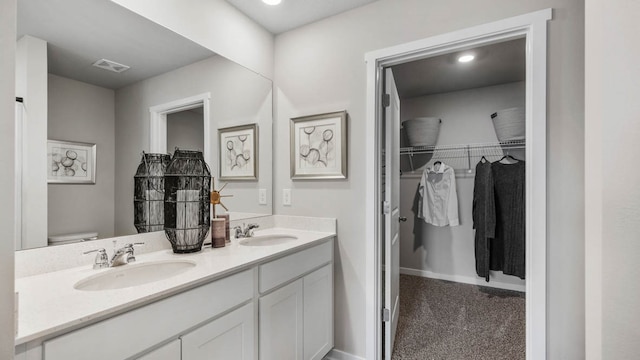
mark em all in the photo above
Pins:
pixel 111 65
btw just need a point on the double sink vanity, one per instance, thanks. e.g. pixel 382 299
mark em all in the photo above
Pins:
pixel 269 296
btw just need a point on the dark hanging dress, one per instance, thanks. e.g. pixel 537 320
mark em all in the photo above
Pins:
pixel 484 216
pixel 508 247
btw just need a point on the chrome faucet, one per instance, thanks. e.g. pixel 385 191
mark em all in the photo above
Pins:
pixel 245 231
pixel 121 256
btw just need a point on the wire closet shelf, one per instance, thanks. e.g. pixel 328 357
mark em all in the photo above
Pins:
pixel 463 157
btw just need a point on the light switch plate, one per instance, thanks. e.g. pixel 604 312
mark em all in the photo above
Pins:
pixel 286 197
pixel 262 196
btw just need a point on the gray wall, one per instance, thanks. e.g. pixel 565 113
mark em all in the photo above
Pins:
pixel 238 97
pixel 82 112
pixel 320 68
pixel 612 178
pixel 448 252
pixel 184 130
pixel 7 128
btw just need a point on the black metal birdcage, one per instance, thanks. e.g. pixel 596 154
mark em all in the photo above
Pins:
pixel 187 201
pixel 148 193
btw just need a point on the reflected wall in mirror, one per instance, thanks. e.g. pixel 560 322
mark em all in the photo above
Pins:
pixel 66 98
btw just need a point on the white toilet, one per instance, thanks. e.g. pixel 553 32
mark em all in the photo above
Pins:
pixel 72 238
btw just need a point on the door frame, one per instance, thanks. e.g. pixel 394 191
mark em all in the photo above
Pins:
pixel 533 27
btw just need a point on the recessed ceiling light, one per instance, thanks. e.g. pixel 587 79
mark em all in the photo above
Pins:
pixel 466 58
pixel 272 2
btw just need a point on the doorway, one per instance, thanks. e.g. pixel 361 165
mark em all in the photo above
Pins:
pixel 453 279
pixel 185 129
pixel 192 108
pixel 531 27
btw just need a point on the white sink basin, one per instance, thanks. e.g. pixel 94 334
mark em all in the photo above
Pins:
pixel 267 240
pixel 134 275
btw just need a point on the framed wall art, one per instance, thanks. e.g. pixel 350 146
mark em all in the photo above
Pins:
pixel 71 162
pixel 239 152
pixel 319 146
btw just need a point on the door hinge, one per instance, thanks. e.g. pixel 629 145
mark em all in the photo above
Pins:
pixel 386 207
pixel 386 100
pixel 386 315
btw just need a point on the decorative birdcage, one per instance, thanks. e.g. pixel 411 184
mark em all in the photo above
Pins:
pixel 187 201
pixel 148 193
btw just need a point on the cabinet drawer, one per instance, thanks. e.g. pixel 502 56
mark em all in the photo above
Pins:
pixel 130 333
pixel 292 266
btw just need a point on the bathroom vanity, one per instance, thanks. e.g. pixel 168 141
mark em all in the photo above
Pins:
pixel 271 297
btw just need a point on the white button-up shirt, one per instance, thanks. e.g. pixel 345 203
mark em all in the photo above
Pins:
pixel 438 202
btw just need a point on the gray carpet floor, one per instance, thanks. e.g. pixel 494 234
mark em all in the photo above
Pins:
pixel 442 320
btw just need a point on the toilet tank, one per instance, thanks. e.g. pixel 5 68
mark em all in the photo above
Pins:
pixel 72 238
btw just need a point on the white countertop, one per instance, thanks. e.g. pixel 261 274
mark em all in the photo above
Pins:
pixel 50 305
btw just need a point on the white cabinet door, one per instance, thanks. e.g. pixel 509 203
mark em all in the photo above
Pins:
pixel 170 351
pixel 318 313
pixel 281 323
pixel 228 337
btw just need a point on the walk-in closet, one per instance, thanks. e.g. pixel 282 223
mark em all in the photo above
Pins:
pixel 462 204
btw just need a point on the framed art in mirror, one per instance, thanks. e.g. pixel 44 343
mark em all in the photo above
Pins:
pixel 71 162
pixel 239 152
pixel 319 146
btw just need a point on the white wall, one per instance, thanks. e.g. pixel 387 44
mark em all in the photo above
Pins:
pixel 81 112
pixel 216 25
pixel 449 252
pixel 612 191
pixel 31 84
pixel 320 68
pixel 184 131
pixel 7 128
pixel 238 97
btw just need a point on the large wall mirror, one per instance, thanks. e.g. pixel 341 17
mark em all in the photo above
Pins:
pixel 67 98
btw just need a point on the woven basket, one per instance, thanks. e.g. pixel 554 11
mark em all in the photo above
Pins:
pixel 509 123
pixel 422 131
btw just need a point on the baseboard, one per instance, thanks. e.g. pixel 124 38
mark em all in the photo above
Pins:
pixel 462 279
pixel 340 355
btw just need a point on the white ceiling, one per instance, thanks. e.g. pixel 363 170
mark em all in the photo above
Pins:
pixel 79 32
pixel 291 14
pixel 494 64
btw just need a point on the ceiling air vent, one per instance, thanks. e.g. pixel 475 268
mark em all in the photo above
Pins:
pixel 111 65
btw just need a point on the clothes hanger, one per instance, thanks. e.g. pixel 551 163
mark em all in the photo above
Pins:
pixel 508 156
pixel 483 159
pixel 435 165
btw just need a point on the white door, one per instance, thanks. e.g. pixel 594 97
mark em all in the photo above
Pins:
pixel 280 333
pixel 228 337
pixel 391 212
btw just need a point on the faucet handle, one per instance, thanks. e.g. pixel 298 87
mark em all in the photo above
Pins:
pixel 102 260
pixel 130 256
pixel 238 231
pixel 249 229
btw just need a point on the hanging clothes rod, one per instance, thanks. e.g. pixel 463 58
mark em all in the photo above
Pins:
pixel 464 156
